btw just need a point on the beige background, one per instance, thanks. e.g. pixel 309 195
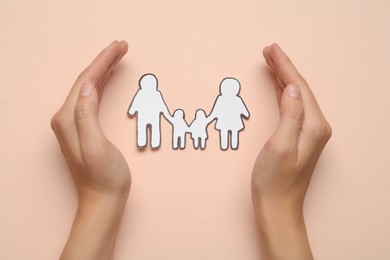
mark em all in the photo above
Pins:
pixel 196 204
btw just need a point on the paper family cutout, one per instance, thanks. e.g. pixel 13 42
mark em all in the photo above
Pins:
pixel 148 105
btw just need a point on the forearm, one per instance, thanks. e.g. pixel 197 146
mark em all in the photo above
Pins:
pixel 95 228
pixel 282 233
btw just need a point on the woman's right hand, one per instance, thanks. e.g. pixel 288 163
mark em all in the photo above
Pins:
pixel 284 166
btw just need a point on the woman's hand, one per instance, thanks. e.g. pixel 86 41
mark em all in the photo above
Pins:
pixel 99 170
pixel 284 167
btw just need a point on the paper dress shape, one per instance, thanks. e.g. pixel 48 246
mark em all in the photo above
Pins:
pixel 148 106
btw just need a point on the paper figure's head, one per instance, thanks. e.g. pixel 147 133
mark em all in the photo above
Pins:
pixel 200 114
pixel 178 113
pixel 230 87
pixel 148 82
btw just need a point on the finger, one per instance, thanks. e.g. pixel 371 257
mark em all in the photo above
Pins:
pixel 96 71
pixel 102 83
pixel 315 128
pixel 272 66
pixel 87 118
pixel 287 72
pixel 279 84
pixel 64 124
pixel 283 66
pixel 278 89
pixel 101 89
pixel 291 119
pixel 268 59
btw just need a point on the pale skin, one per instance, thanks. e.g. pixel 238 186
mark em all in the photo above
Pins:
pixel 280 179
pixel 284 166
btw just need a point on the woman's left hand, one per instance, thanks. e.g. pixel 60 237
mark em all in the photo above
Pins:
pixel 99 170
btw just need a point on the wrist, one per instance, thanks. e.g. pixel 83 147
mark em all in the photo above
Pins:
pixel 282 231
pixel 276 210
pixel 102 207
pixel 95 226
pixel 89 197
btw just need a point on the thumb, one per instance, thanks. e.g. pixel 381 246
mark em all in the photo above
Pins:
pixel 87 116
pixel 291 117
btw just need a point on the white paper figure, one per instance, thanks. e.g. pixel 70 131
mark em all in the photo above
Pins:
pixel 228 110
pixel 148 104
pixel 180 129
pixel 198 129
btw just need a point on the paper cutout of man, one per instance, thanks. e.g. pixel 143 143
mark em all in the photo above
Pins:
pixel 148 104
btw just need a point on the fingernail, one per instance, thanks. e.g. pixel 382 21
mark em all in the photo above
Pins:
pixel 293 91
pixel 86 90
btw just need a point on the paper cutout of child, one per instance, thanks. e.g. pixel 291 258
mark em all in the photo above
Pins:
pixel 198 129
pixel 180 129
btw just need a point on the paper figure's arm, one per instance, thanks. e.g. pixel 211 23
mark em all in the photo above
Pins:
pixel 187 127
pixel 244 110
pixel 134 106
pixel 212 116
pixel 167 116
pixel 191 127
pixel 164 109
pixel 214 112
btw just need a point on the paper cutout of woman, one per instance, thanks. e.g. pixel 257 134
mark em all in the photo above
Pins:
pixel 228 111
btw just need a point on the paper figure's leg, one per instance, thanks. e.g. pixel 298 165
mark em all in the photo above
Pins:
pixel 203 143
pixel 183 141
pixel 196 143
pixel 234 142
pixel 155 135
pixel 141 134
pixel 223 138
pixel 175 142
